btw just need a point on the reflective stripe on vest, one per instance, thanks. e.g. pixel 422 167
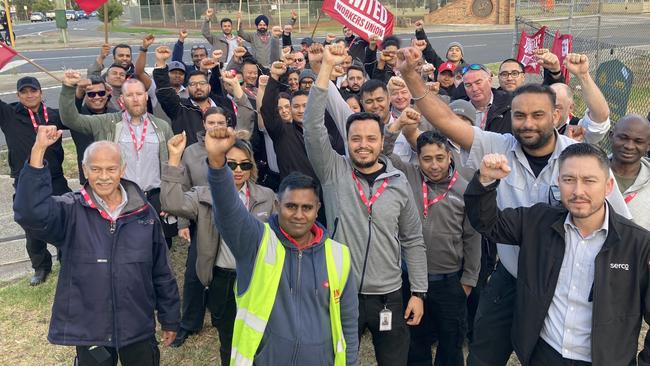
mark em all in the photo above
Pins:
pixel 255 305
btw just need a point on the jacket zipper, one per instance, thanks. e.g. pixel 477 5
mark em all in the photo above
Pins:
pixel 297 346
pixel 113 228
pixel 365 259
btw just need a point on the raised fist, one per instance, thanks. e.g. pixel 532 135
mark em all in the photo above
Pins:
pixel 182 34
pixel 163 53
pixel 71 77
pixel 419 24
pixel 547 59
pixel 148 40
pixel 577 64
pixel 493 167
pixel 217 54
pixel 209 13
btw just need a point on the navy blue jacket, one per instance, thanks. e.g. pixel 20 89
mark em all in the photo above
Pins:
pixel 110 283
pixel 298 331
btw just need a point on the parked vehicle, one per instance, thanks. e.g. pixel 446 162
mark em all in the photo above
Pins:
pixel 71 15
pixel 82 14
pixel 93 14
pixel 37 16
pixel 50 15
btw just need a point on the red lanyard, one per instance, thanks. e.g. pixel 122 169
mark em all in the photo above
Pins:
pixel 374 197
pixel 425 194
pixel 484 119
pixel 248 197
pixel 251 94
pixel 630 197
pixel 234 107
pixel 103 213
pixel 120 104
pixel 145 122
pixel 31 115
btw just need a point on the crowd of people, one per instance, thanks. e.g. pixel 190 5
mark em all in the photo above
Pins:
pixel 333 188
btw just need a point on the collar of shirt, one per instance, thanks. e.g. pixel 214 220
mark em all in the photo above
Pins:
pixel 118 210
pixel 242 193
pixel 568 223
pixel 487 108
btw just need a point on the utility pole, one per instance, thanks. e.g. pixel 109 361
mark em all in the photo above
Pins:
pixel 61 21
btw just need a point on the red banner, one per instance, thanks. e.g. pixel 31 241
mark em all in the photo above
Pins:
pixel 562 46
pixel 90 5
pixel 363 17
pixel 527 46
pixel 6 54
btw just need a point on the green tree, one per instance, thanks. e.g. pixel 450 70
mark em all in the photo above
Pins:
pixel 115 10
pixel 42 6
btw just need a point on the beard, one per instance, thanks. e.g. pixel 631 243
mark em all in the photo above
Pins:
pixel 201 98
pixel 541 140
pixel 361 164
pixel 262 31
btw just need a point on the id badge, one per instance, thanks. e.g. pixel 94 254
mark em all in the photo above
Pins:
pixel 385 320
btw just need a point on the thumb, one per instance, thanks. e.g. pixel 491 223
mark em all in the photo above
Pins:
pixel 409 310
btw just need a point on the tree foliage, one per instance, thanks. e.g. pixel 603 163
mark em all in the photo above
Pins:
pixel 115 10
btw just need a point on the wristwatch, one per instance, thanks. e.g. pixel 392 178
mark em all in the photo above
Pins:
pixel 142 49
pixel 421 295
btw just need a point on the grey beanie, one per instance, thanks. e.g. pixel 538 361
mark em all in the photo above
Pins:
pixel 463 108
pixel 457 44
pixel 307 73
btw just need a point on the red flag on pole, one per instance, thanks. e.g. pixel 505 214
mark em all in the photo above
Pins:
pixel 6 54
pixel 527 46
pixel 363 17
pixel 90 5
pixel 562 46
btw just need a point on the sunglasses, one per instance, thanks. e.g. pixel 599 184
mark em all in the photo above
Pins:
pixel 198 46
pixel 474 67
pixel 92 94
pixel 245 166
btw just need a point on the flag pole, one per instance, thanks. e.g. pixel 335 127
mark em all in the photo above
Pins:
pixel 238 18
pixel 9 23
pixel 105 22
pixel 315 25
pixel 38 66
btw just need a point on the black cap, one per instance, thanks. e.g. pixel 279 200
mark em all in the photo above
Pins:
pixel 307 40
pixel 28 81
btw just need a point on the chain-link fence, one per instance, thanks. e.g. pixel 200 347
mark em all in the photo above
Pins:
pixel 188 13
pixel 614 37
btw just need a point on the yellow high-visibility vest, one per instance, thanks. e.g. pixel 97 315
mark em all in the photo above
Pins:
pixel 255 305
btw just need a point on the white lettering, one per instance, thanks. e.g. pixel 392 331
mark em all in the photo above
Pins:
pixel 624 266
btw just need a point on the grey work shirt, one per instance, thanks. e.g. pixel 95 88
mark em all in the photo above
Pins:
pixel 567 327
pixel 521 188
pixel 225 259
pixel 142 166
pixel 118 210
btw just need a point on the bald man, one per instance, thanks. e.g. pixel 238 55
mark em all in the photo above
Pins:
pixel 630 138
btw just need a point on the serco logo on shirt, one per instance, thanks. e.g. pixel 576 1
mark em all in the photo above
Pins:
pixel 623 266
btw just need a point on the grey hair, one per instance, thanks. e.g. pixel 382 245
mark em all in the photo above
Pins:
pixel 98 145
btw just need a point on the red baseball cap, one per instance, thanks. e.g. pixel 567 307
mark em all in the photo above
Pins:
pixel 447 66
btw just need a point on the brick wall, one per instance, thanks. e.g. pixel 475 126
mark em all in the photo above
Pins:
pixel 460 12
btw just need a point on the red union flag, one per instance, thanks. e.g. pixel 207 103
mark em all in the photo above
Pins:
pixel 6 54
pixel 90 5
pixel 363 17
pixel 562 46
pixel 527 47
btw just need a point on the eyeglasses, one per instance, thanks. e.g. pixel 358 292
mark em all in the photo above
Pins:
pixel 474 67
pixel 245 165
pixel 92 94
pixel 198 46
pixel 515 74
pixel 197 83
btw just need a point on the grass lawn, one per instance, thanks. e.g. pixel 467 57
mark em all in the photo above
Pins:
pixel 70 168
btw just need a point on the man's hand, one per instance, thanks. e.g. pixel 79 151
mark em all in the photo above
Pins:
pixel 176 146
pixel 104 52
pixel 278 69
pixel 575 132
pixel 231 84
pixel 163 53
pixel 315 53
pixel 217 54
pixel 168 337
pixel 217 142
pixel 407 60
pixel 467 289
pixel 276 31
pixel 547 60
pixel 420 44
pixel 415 308
pixel 45 137
pixel 182 34
pixel 337 71
pixel 148 40
pixel 208 64
pixel 239 52
pixel 294 14
pixel 493 167
pixel 434 87
pixel 209 13
pixel 372 42
pixel 71 78
pixel 409 118
pixel 330 38
pixel 387 56
pixel 333 55
pixel 577 64
pixel 263 81
pixel 419 25
pixel 184 234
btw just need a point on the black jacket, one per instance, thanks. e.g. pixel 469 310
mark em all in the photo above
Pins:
pixel 498 118
pixel 620 295
pixel 20 136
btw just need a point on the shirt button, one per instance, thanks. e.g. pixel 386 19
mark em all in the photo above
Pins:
pixel 572 308
pixel 582 241
pixel 574 287
pixel 577 264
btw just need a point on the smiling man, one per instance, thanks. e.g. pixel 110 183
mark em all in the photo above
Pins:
pixel 583 267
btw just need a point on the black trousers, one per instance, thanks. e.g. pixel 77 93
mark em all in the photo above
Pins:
pixel 222 305
pixel 545 355
pixel 194 293
pixel 37 249
pixel 488 263
pixel 492 345
pixel 144 353
pixel 391 347
pixel 445 311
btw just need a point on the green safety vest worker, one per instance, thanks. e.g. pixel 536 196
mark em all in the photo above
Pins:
pixel 255 305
